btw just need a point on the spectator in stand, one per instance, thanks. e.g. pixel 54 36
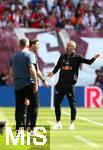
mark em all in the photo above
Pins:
pixel 69 4
pixel 99 77
pixel 68 13
pixel 77 22
pixel 92 20
pixel 68 25
pixel 61 22
pixel 50 5
pixel 43 10
pixel 36 19
pixel 99 25
pixel 34 2
pixel 51 21
pixel 86 22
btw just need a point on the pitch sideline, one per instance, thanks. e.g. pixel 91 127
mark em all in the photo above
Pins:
pixel 85 119
pixel 86 141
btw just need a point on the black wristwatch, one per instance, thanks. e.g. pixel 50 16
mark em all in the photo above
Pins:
pixel 43 80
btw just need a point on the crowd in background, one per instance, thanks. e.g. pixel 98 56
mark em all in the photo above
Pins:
pixel 86 15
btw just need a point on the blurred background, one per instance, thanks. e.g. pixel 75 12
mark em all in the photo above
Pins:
pixel 53 23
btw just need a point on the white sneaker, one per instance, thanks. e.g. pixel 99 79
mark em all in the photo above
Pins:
pixel 71 126
pixel 57 126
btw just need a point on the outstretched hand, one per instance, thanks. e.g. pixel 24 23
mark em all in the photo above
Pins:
pixel 96 56
pixel 50 74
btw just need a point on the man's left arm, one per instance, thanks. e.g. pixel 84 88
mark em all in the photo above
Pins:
pixel 88 61
pixel 11 74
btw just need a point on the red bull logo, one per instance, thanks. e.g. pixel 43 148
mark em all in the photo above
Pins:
pixel 93 97
pixel 66 68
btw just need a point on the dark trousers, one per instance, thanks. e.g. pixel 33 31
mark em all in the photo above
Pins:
pixel 26 115
pixel 60 91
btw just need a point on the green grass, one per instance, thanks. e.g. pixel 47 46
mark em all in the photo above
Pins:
pixel 63 139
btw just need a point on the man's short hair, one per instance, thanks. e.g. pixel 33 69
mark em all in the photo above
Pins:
pixel 23 43
pixel 73 43
pixel 32 42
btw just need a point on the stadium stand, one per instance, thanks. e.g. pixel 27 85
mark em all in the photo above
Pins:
pixel 69 14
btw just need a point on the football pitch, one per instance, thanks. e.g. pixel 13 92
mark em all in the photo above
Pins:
pixel 88 133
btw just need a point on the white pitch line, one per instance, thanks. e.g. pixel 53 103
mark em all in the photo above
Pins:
pixel 87 142
pixel 85 119
pixel 90 121
pixel 51 122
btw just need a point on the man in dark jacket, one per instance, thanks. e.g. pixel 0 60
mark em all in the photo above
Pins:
pixel 69 64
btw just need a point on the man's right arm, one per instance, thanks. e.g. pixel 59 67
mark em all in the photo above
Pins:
pixel 56 68
pixel 32 69
pixel 34 76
